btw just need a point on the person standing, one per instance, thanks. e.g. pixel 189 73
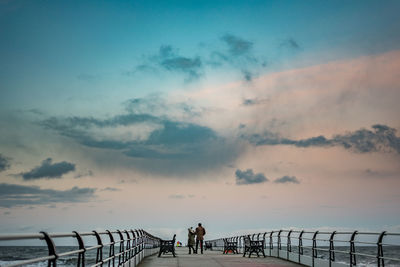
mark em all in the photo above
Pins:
pixel 200 233
pixel 191 235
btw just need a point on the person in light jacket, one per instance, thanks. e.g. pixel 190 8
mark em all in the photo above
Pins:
pixel 191 235
pixel 200 233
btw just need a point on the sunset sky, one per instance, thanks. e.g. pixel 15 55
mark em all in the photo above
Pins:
pixel 242 115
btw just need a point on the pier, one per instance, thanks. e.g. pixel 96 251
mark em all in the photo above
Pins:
pixel 131 248
pixel 212 258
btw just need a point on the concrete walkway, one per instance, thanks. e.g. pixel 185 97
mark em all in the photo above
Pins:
pixel 211 259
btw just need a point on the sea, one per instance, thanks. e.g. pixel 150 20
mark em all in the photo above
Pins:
pixel 15 254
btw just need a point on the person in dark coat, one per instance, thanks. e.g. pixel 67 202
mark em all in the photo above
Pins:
pixel 200 233
pixel 191 235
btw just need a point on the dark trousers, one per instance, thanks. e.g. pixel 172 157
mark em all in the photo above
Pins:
pixel 191 248
pixel 201 245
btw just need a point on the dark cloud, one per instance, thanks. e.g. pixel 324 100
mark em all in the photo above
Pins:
pixel 248 177
pixel 290 43
pixel 13 195
pixel 189 66
pixel 169 59
pixel 48 170
pixel 84 174
pixel 4 163
pixel 249 102
pixel 238 54
pixel 237 46
pixel 380 138
pixel 247 75
pixel 156 104
pixel 145 67
pixel 111 189
pixel 177 147
pixel 253 101
pixel 287 179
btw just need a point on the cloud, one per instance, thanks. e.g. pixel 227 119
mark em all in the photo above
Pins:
pixel 169 59
pixel 237 46
pixel 157 104
pixel 178 146
pixel 237 54
pixel 290 43
pixel 48 170
pixel 381 138
pixel 253 101
pixel 287 179
pixel 111 189
pixel 4 163
pixel 84 174
pixel 248 177
pixel 13 195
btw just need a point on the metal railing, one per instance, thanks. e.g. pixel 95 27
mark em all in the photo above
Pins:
pixel 325 248
pixel 128 249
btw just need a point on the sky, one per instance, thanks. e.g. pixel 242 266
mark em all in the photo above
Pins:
pixel 246 116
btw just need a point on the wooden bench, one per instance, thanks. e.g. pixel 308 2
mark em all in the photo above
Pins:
pixel 255 246
pixel 230 245
pixel 167 246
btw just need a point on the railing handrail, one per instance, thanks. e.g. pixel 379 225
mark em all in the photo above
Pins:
pixel 132 244
pixel 274 237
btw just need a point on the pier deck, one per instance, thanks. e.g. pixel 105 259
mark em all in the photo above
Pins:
pixel 212 259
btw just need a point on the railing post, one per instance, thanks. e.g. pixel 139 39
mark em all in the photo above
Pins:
pixel 121 248
pixel 112 251
pixel 128 247
pixel 331 249
pixel 300 247
pixel 52 249
pixel 279 241
pixel 134 246
pixel 265 243
pixel 289 244
pixel 314 248
pixel 353 249
pixel 139 239
pixel 99 254
pixel 381 260
pixel 271 243
pixel 81 255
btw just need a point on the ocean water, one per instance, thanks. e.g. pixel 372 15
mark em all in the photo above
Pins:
pixel 14 254
pixel 389 251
